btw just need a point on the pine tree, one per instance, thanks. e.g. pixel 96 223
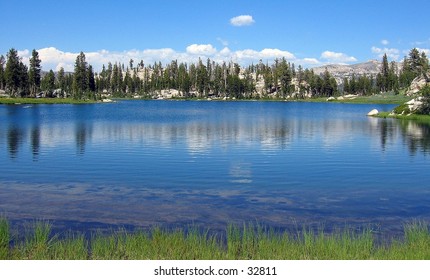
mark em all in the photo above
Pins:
pixel 91 80
pixel 346 88
pixel 329 85
pixel 415 62
pixel 34 73
pixel 2 75
pixel 12 72
pixel 384 78
pixel 285 76
pixel 16 76
pixel 61 81
pixel 80 81
pixel 48 83
pixel 424 62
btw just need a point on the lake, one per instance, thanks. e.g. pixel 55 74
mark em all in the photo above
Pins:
pixel 137 164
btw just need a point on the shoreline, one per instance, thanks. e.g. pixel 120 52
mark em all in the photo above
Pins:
pixel 373 99
pixel 410 117
pixel 23 100
pixel 246 242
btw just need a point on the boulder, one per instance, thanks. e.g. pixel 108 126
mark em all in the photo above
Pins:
pixel 414 104
pixel 3 93
pixel 374 112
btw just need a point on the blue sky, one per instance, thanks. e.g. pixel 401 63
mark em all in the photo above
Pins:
pixel 310 33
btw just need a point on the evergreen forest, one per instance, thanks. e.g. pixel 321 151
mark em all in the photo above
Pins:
pixel 203 79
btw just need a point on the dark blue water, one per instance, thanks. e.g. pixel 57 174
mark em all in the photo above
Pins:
pixel 171 163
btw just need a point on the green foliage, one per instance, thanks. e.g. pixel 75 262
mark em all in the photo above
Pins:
pixel 80 77
pixel 4 238
pixel 425 107
pixel 48 82
pixel 2 74
pixel 201 79
pixel 34 73
pixel 16 77
pixel 402 109
pixel 249 242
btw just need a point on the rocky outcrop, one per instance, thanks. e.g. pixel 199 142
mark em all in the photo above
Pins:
pixel 3 93
pixel 415 104
pixel 418 83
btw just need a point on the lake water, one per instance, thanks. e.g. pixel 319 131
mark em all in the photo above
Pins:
pixel 208 164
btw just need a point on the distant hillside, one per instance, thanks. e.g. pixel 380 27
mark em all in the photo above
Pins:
pixel 371 67
pixel 340 71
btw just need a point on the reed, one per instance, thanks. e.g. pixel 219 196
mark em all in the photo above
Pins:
pixel 4 238
pixel 246 242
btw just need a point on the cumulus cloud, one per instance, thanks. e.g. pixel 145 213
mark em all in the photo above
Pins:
pixel 53 58
pixel 242 20
pixel 337 57
pixel 385 42
pixel 426 51
pixel 308 61
pixel 201 49
pixel 392 53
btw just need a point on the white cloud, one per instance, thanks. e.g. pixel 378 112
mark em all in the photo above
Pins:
pixel 201 49
pixel 248 55
pixel 426 51
pixel 308 61
pixel 276 53
pixel 337 57
pixel 242 20
pixel 24 53
pixel 225 52
pixel 392 53
pixel 53 58
pixel 385 42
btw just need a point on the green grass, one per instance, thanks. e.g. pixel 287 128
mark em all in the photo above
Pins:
pixel 414 117
pixel 247 242
pixel 381 98
pixel 4 239
pixel 19 100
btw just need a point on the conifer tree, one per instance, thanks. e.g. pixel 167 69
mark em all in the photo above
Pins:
pixel 34 73
pixel 61 81
pixel 80 76
pixel 2 75
pixel 48 83
pixel 16 77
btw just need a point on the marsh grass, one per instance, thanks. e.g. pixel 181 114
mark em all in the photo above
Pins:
pixel 4 238
pixel 21 100
pixel 37 243
pixel 246 242
pixel 425 119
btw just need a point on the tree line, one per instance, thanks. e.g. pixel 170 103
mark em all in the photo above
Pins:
pixel 389 78
pixel 202 79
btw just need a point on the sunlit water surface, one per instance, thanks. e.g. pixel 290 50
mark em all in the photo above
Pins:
pixel 208 164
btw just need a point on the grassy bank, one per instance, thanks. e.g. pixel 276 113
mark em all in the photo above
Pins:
pixel 18 100
pixel 248 242
pixel 414 117
pixel 382 98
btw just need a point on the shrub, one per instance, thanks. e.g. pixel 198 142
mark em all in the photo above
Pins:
pixel 425 107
